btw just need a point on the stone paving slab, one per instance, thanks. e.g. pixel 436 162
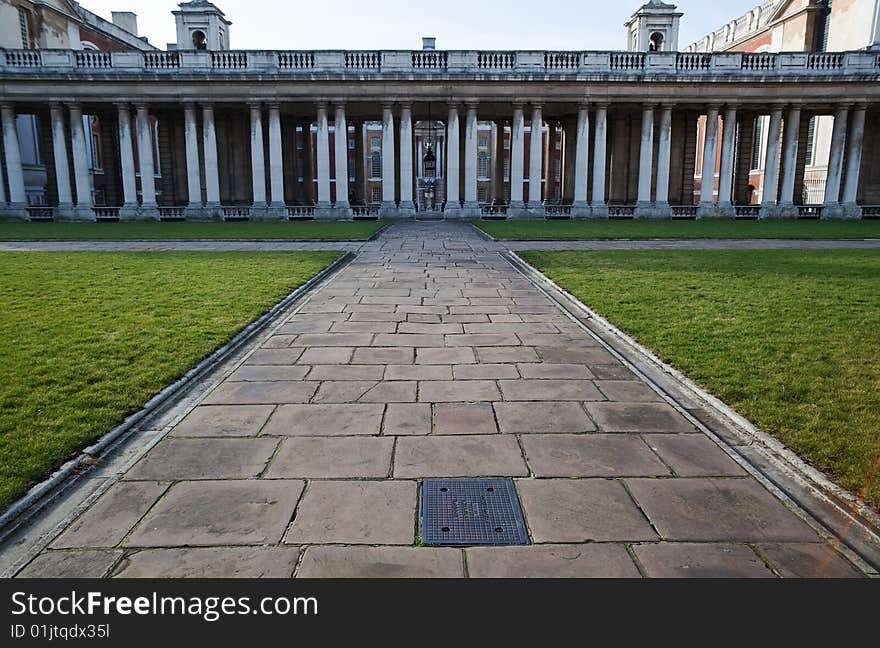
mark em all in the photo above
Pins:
pixel 428 356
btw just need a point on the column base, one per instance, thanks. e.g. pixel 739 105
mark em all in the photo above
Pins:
pixel 197 212
pixel 707 210
pixel 726 210
pixel 148 212
pixel 388 209
pixel 580 209
pixel 213 211
pixel 407 209
pixel 599 210
pixel 326 211
pixel 851 211
pixel 661 210
pixel 452 211
pixel 471 210
pixel 83 213
pixel 517 209
pixel 13 211
pixel 768 210
pixel 64 212
pixel 644 209
pixel 786 210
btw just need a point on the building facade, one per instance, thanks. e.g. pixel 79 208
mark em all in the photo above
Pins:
pixel 203 131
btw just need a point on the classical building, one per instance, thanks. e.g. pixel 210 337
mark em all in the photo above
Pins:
pixel 199 130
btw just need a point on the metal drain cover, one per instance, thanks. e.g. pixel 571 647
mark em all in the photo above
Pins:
pixel 471 512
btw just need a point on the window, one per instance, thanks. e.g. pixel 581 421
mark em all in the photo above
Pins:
pixel 376 165
pixel 352 174
pixel 483 165
pixel 299 169
pixel 376 195
pixel 507 170
pixel 350 144
pixel 506 144
pixel 823 27
pixel 811 141
pixel 756 145
pixel 655 43
pixel 484 141
pixel 483 195
pixel 24 22
pixel 375 142
pixel 97 156
pixel 200 42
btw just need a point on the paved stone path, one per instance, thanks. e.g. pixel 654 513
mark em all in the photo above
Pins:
pixel 430 356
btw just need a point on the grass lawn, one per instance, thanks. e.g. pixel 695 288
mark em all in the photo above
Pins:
pixel 679 229
pixel 327 230
pixel 86 338
pixel 788 338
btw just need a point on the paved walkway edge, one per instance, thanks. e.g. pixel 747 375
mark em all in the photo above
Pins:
pixel 820 502
pixel 42 494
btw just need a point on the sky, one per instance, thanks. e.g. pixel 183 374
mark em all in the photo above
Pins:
pixel 400 24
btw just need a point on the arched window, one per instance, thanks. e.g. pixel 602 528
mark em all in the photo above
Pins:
pixel 656 42
pixel 483 165
pixel 200 41
pixel 376 164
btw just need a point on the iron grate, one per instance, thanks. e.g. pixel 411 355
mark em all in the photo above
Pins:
pixel 471 512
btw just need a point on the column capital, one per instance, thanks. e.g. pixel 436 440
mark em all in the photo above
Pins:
pixel 517 105
pixel 714 106
pixel 651 105
pixel 603 105
pixel 7 105
pixel 537 105
pixel 55 105
pixel 471 103
pixel 255 104
pixel 860 105
pixel 667 105
pixel 321 104
pixel 273 105
pixel 453 104
pixel 142 105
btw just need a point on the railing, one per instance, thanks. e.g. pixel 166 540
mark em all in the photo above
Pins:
pixel 557 211
pixel 809 211
pixel 172 213
pixel 621 211
pixel 296 60
pixel 161 60
pixel 368 211
pixel 870 211
pixel 363 60
pixel 496 60
pixel 562 60
pixel 493 210
pixel 24 58
pixel 684 211
pixel 684 64
pixel 92 59
pixel 747 211
pixel 106 213
pixel 41 212
pixel 760 61
pixel 693 61
pixel 235 212
pixel 815 179
pixel 301 212
pixel 229 60
pixel 627 61
pixel 429 60
pixel 825 61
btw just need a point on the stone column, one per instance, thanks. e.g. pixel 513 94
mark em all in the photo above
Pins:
pixel 323 153
pixel 389 205
pixel 83 209
pixel 644 207
pixel 212 173
pixel 832 207
pixel 453 204
pixel 770 184
pixel 144 134
pixel 17 194
pixel 340 160
pixel 598 207
pixel 710 153
pixel 725 177
pixel 471 206
pixel 664 162
pixel 309 163
pixel 276 164
pixel 517 160
pixel 130 207
pixel 498 164
pixel 855 141
pixel 407 206
pixel 536 154
pixel 360 178
pixel 62 167
pixel 581 163
pixel 551 186
pixel 193 175
pixel 790 135
pixel 258 162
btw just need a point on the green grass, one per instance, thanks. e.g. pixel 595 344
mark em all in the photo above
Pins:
pixel 790 339
pixel 679 229
pixel 326 230
pixel 86 338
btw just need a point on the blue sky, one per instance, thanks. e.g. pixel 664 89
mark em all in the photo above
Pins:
pixel 400 24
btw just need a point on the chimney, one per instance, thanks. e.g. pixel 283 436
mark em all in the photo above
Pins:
pixel 126 20
pixel 428 42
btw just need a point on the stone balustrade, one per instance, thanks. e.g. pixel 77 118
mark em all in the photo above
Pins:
pixel 429 62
